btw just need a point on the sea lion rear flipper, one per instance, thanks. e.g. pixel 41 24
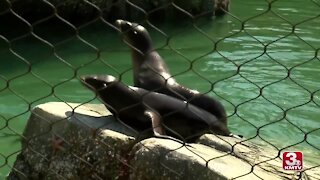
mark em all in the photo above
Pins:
pixel 156 122
pixel 158 129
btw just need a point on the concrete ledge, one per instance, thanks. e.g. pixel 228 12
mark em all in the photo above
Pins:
pixel 76 141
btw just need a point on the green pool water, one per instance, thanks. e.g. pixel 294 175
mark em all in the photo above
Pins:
pixel 247 56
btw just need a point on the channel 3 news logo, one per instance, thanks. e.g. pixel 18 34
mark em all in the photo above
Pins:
pixel 292 161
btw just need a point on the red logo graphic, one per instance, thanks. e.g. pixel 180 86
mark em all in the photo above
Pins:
pixel 292 161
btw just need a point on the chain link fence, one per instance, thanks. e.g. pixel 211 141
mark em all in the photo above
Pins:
pixel 260 59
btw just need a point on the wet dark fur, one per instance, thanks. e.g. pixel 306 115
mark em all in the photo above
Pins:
pixel 177 118
pixel 150 71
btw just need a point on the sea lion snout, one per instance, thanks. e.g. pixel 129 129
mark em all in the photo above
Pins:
pixel 123 25
pixel 126 26
pixel 90 81
pixel 120 22
pixel 96 82
pixel 106 78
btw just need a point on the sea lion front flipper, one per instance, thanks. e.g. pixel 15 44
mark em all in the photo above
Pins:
pixel 158 129
pixel 236 136
pixel 156 122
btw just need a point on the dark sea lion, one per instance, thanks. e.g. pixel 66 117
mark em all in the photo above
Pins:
pixel 155 113
pixel 150 71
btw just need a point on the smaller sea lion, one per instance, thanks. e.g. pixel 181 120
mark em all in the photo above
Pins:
pixel 154 113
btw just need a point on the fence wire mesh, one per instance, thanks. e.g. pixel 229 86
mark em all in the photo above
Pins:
pixel 263 65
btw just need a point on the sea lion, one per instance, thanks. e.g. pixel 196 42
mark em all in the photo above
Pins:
pixel 151 72
pixel 154 113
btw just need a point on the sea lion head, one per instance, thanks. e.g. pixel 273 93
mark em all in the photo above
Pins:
pixel 97 82
pixel 135 35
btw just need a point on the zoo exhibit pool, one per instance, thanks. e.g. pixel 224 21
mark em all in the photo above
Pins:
pixel 286 101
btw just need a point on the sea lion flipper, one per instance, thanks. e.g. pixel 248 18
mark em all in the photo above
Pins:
pixel 170 138
pixel 158 129
pixel 236 136
pixel 156 122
